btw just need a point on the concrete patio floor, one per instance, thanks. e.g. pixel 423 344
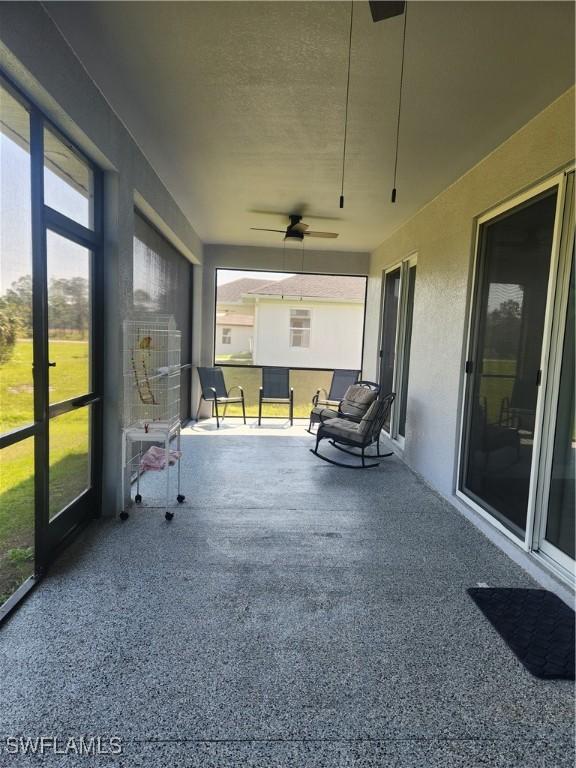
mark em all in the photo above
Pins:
pixel 292 614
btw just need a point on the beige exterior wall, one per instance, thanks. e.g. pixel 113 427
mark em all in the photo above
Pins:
pixel 443 234
pixel 241 339
pixel 335 334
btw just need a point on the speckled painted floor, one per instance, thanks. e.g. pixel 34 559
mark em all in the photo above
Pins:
pixel 292 614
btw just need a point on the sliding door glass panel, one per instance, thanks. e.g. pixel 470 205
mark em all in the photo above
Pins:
pixel 16 516
pixel 16 382
pixel 561 502
pixel 406 354
pixel 509 320
pixel 68 181
pixel 390 322
pixel 69 472
pixel 69 313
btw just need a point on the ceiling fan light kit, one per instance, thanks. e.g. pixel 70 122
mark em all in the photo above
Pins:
pixel 296 230
pixel 386 9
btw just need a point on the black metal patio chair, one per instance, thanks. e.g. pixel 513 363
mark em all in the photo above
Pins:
pixel 341 380
pixel 214 391
pixel 353 405
pixel 276 389
pixel 350 437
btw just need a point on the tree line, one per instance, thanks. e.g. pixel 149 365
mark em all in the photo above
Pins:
pixel 68 311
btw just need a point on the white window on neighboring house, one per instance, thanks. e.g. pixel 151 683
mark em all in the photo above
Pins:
pixel 300 328
pixel 226 335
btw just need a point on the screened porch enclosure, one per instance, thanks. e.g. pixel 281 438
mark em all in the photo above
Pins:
pixel 310 323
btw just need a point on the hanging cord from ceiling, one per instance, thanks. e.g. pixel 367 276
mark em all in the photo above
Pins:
pixel 399 104
pixel 302 269
pixel 283 261
pixel 347 100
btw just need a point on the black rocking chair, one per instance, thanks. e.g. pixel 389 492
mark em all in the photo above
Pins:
pixel 353 405
pixel 341 380
pixel 276 389
pixel 214 391
pixel 351 437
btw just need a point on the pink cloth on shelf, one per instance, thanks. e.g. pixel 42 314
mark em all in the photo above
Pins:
pixel 155 458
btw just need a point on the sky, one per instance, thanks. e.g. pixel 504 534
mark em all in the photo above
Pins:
pixel 15 218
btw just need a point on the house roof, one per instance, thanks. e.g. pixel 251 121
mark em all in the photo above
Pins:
pixel 315 287
pixel 231 318
pixel 232 292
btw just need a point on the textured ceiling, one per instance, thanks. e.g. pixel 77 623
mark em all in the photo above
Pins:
pixel 239 106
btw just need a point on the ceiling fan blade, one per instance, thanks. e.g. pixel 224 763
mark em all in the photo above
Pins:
pixel 386 9
pixel 299 227
pixel 321 234
pixel 300 212
pixel 259 229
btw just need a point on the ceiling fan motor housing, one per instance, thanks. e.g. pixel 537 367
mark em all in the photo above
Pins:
pixel 293 234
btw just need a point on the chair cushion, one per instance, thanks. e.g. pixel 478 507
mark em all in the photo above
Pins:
pixel 322 414
pixel 343 428
pixel 357 400
pixel 366 423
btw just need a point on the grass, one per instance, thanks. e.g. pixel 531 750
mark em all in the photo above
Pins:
pixel 305 384
pixel 69 438
pixel 495 390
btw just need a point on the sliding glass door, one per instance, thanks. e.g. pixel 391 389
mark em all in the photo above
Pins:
pixel 519 443
pixel 50 309
pixel 555 532
pixel 389 331
pixel 395 342
pixel 559 526
pixel 513 271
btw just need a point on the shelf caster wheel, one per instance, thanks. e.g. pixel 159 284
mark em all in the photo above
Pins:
pixel 169 515
pixel 138 499
pixel 124 516
pixel 180 498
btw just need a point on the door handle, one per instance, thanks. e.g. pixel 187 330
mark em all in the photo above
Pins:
pixel 51 365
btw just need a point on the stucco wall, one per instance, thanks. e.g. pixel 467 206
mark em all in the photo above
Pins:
pixel 37 59
pixel 443 235
pixel 335 335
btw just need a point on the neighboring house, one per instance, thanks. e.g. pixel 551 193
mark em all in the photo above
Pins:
pixel 313 321
pixel 235 320
pixel 234 334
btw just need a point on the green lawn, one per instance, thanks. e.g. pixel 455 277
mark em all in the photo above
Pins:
pixel 305 384
pixel 495 390
pixel 68 452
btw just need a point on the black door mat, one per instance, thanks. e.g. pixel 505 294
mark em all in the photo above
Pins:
pixel 535 624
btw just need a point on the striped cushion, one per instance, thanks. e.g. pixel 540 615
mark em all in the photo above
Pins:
pixel 343 428
pixel 366 423
pixel 322 414
pixel 357 400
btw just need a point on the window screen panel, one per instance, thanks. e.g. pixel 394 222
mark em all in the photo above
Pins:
pixel 163 285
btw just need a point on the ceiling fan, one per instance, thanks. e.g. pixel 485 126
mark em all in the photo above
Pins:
pixel 386 9
pixel 296 230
